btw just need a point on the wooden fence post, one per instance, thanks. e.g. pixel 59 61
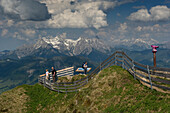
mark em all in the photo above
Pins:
pixel 44 81
pixel 49 82
pixel 100 65
pixel 58 88
pixel 133 69
pixel 149 76
pixel 115 59
pixel 123 61
pixel 75 86
pixel 65 88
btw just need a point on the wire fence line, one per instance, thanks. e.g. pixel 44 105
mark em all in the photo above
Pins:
pixel 153 77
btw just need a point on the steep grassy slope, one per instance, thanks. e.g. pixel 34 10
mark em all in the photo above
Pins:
pixel 112 90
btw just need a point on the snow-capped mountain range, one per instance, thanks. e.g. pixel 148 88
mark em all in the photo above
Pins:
pixel 77 47
pixel 56 46
pixel 93 47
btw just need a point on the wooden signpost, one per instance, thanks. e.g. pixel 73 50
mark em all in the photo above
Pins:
pixel 154 54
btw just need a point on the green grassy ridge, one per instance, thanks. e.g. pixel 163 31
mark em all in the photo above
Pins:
pixel 112 90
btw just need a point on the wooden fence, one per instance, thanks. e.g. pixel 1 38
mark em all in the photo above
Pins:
pixel 153 77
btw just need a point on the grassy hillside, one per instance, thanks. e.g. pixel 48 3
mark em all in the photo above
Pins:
pixel 112 90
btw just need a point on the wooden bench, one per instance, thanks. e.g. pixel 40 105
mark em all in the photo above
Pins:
pixel 66 72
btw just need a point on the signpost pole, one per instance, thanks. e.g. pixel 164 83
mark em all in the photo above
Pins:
pixel 154 58
pixel 154 54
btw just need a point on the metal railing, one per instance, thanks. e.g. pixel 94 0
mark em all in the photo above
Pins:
pixel 153 77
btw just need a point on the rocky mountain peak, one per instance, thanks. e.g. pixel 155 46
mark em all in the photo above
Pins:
pixel 41 43
pixel 76 47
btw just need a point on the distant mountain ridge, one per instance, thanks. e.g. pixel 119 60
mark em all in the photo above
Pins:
pixel 49 47
pixel 87 47
pixel 165 45
pixel 79 46
pixel 135 44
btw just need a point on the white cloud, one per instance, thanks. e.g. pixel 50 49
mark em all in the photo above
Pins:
pixel 160 13
pixel 6 23
pixel 10 23
pixel 4 32
pixel 139 28
pixel 140 15
pixel 147 35
pixel 78 14
pixel 17 35
pixel 29 32
pixel 157 13
pixel 153 28
pixel 123 28
pixel 24 9
pixel 81 19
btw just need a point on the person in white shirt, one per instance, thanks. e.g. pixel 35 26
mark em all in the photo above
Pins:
pixel 47 74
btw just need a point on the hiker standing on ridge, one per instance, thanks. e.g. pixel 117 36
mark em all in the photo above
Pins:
pixel 85 67
pixel 53 74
